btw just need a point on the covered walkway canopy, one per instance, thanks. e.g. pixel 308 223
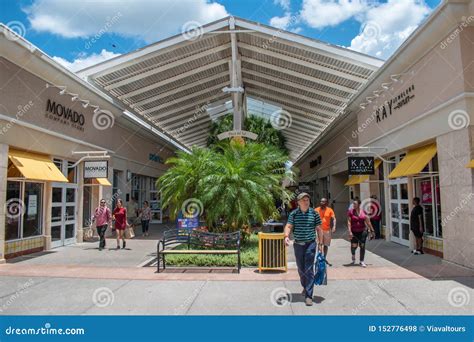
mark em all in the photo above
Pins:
pixel 236 66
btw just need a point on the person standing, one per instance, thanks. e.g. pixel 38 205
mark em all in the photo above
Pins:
pixel 357 223
pixel 103 218
pixel 417 225
pixel 328 224
pixel 132 211
pixel 305 224
pixel 120 217
pixel 145 218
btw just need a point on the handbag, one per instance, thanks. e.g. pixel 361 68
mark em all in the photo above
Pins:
pixel 320 277
pixel 89 234
pixel 129 232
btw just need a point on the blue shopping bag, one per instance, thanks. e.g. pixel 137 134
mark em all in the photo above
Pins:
pixel 320 277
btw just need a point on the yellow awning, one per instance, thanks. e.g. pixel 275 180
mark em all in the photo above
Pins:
pixel 357 179
pixel 471 164
pixel 33 166
pixel 102 181
pixel 414 162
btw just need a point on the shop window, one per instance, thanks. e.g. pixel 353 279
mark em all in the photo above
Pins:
pixel 24 210
pixel 427 189
pixel 87 206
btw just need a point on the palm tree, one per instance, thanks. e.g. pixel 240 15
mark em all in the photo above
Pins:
pixel 242 184
pixel 180 182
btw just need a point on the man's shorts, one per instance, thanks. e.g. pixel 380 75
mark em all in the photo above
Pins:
pixel 327 236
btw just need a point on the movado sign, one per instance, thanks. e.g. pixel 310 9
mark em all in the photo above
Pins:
pixel 96 169
pixel 361 166
pixel 64 115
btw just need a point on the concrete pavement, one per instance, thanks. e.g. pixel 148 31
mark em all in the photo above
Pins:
pixel 79 279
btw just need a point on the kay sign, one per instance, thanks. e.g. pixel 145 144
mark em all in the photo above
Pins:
pixel 96 169
pixel 361 166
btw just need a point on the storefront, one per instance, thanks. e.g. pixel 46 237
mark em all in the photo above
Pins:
pixel 50 129
pixel 416 117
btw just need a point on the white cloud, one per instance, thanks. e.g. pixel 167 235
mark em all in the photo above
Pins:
pixel 145 19
pixel 281 22
pixel 387 26
pixel 285 4
pixel 323 13
pixel 85 61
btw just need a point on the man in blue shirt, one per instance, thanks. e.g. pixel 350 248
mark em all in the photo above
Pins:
pixel 306 226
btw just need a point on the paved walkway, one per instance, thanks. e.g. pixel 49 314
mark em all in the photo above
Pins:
pixel 80 279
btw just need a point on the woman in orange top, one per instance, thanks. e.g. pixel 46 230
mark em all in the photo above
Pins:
pixel 328 225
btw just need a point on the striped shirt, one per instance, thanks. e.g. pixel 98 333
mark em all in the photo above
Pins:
pixel 304 224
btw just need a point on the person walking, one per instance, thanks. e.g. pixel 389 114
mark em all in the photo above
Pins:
pixel 305 224
pixel 103 218
pixel 357 223
pixel 417 225
pixel 328 224
pixel 120 217
pixel 145 216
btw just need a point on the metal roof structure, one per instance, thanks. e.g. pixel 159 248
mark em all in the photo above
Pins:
pixel 234 65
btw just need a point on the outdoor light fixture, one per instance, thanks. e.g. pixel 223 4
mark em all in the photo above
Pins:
pixel 369 99
pixel 378 92
pixel 85 103
pixel 63 90
pixel 233 90
pixel 74 97
pixel 96 110
pixel 386 86
pixel 362 105
pixel 396 77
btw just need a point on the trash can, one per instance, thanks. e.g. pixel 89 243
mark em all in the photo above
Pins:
pixel 272 252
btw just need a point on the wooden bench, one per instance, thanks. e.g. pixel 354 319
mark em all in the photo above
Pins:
pixel 198 242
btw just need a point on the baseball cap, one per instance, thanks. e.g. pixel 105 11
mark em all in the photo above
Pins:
pixel 302 195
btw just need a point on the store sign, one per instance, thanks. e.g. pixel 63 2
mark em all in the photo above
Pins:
pixel 231 134
pixel 361 166
pixel 64 115
pixel 395 103
pixel 96 169
pixel 426 193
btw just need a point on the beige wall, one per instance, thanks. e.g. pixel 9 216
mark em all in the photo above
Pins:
pixel 23 88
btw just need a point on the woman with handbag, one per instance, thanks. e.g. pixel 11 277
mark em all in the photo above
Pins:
pixel 103 218
pixel 120 217
pixel 357 224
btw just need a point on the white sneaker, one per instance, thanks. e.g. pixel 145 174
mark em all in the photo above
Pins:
pixel 416 253
pixel 363 264
pixel 413 251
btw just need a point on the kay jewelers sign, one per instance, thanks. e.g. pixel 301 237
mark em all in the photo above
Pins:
pixel 231 134
pixel 96 169
pixel 361 166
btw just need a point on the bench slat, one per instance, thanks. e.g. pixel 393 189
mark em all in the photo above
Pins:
pixel 201 251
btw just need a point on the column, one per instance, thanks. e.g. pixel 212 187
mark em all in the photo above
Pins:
pixel 3 197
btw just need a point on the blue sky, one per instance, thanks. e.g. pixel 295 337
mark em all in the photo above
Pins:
pixel 64 29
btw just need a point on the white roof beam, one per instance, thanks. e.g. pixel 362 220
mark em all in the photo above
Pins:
pixel 180 89
pixel 165 67
pixel 299 75
pixel 235 78
pixel 293 85
pixel 302 62
pixel 173 79
pixel 176 102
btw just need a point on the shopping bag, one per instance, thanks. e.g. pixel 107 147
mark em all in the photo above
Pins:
pixel 321 270
pixel 129 232
pixel 88 234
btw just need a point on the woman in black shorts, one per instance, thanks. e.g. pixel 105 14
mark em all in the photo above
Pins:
pixel 357 221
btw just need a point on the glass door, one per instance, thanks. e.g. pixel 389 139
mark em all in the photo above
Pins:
pixel 155 203
pixel 399 211
pixel 63 214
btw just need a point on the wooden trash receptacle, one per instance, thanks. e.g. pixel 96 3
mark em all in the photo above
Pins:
pixel 272 252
